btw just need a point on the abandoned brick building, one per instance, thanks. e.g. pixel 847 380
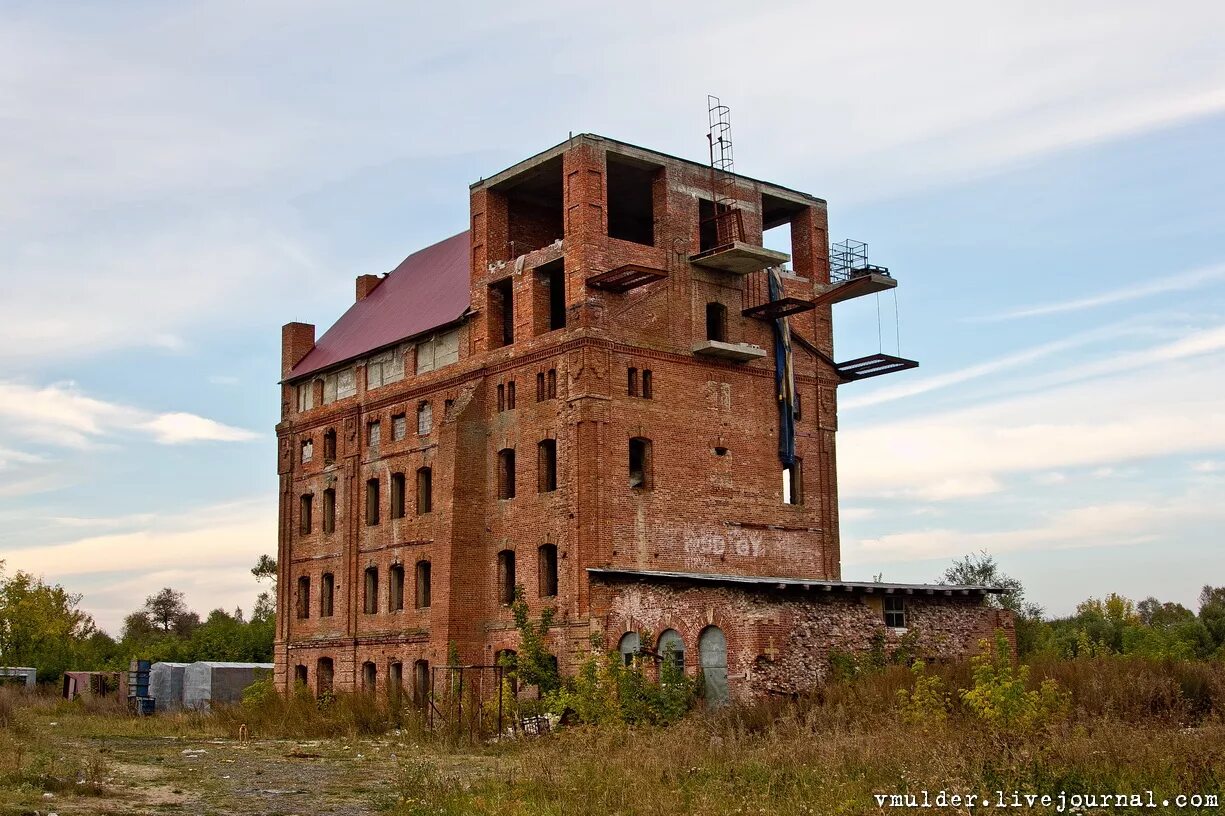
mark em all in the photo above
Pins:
pixel 609 392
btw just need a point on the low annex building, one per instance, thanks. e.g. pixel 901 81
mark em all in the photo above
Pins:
pixel 608 391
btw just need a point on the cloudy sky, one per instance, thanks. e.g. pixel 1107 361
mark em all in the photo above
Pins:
pixel 179 179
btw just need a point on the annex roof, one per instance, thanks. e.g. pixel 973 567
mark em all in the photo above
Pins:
pixel 805 583
pixel 428 290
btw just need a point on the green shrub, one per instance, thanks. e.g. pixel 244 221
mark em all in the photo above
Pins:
pixel 1000 695
pixel 928 701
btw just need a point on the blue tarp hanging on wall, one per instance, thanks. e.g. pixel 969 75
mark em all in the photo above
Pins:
pixel 784 375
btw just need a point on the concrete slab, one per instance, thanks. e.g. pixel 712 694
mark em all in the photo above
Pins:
pixel 738 352
pixel 740 258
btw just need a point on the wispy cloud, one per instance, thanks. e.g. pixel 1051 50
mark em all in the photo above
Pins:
pixel 1174 283
pixel 62 415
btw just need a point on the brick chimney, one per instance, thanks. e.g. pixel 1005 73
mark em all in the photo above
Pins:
pixel 366 284
pixel 297 339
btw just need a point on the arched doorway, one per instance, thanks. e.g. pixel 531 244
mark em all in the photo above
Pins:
pixel 712 649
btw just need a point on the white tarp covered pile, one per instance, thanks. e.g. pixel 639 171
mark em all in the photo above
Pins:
pixel 209 682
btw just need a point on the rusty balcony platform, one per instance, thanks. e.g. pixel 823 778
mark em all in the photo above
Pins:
pixel 625 278
pixel 739 258
pixel 779 308
pixel 873 365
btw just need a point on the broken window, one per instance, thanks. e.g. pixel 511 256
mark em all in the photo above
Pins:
pixel 324 672
pixel 423 584
pixel 374 431
pixel 308 451
pixel 304 597
pixel 372 502
pixel 631 199
pixel 672 649
pixel 549 297
pixel 793 483
pixel 397 495
pixel 546 466
pixel 329 511
pixel 648 391
pixel 895 612
pixel 395 592
pixel 305 505
pixel 370 675
pixel 546 567
pixel 640 463
pixel 506 473
pixel 425 419
pixel 329 445
pixel 716 322
pixel 631 385
pixel 370 595
pixel 425 491
pixel 506 576
pixel 551 386
pixel 399 427
pixel 327 589
pixel 629 646
pixel 501 313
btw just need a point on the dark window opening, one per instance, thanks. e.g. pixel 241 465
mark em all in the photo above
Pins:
pixel 631 199
pixel 648 391
pixel 324 674
pixel 546 466
pixel 777 218
pixel 895 612
pixel 640 463
pixel 551 387
pixel 395 596
pixel 501 397
pixel 327 589
pixel 546 561
pixel 506 473
pixel 550 297
pixel 421 683
pixel 423 584
pixel 395 678
pixel 501 313
pixel 716 322
pixel 534 208
pixel 506 577
pixel 305 506
pixel 329 445
pixel 369 676
pixel 798 407
pixel 425 491
pixel 540 386
pixel 708 230
pixel 397 495
pixel 304 597
pixel 372 502
pixel 631 385
pixel 329 511
pixel 299 675
pixel 370 597
pixel 793 483
pixel 510 396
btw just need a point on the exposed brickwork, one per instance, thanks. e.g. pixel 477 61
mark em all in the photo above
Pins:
pixel 714 503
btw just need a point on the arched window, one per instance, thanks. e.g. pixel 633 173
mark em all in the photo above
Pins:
pixel 640 463
pixel 421 683
pixel 299 675
pixel 370 674
pixel 506 473
pixel 423 584
pixel 370 598
pixel 716 322
pixel 546 567
pixel 425 491
pixel 323 676
pixel 395 597
pixel 546 466
pixel 327 589
pixel 712 650
pixel 672 649
pixel 506 576
pixel 304 596
pixel 629 646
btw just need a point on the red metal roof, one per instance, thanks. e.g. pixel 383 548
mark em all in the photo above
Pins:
pixel 427 290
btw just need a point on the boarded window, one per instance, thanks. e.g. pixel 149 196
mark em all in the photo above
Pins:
pixel 308 451
pixel 372 502
pixel 329 511
pixel 895 612
pixel 395 597
pixel 305 513
pixel 304 597
pixel 423 584
pixel 399 427
pixel 425 419
pixel 397 495
pixel 329 445
pixel 327 591
pixel 506 473
pixel 425 491
pixel 793 483
pixel 546 466
pixel 640 463
pixel 370 593
pixel 506 577
pixel 546 562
